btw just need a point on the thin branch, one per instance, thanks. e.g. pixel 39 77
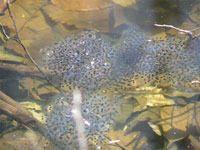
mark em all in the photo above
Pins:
pixel 195 82
pixel 4 32
pixel 23 69
pixel 13 109
pixel 22 44
pixel 115 144
pixel 175 28
pixel 195 29
pixel 17 112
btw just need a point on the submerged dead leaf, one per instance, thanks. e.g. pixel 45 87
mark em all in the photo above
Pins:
pixel 98 19
pixel 176 117
pixel 5 56
pixel 151 101
pixel 32 7
pixel 81 5
pixel 35 110
pixel 15 47
pixel 175 93
pixel 194 17
pixel 194 142
pixel 175 122
pixel 32 24
pixel 31 105
pixel 150 96
pixel 20 15
pixel 118 139
pixel 19 140
pixel 119 16
pixel 29 21
pixel 37 88
pixel 125 3
pixel 3 5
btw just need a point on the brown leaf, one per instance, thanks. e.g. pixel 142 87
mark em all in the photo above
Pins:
pixel 6 56
pixel 125 3
pixel 126 141
pixel 194 16
pixel 177 117
pixel 37 23
pixel 150 96
pixel 194 142
pixel 3 5
pixel 15 47
pixel 34 89
pixel 19 140
pixel 32 7
pixel 81 5
pixel 20 15
pixel 151 100
pixel 91 19
pixel 25 13
pixel 119 16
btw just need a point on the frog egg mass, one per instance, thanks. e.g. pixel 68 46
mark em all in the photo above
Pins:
pixel 91 61
pixel 98 113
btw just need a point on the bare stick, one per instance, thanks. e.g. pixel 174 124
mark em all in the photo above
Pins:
pixel 4 32
pixel 23 69
pixel 22 44
pixel 115 144
pixel 80 126
pixel 13 109
pixel 21 110
pixel 195 82
pixel 172 27
pixel 195 29
pixel 17 112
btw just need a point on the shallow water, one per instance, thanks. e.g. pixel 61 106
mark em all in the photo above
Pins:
pixel 140 83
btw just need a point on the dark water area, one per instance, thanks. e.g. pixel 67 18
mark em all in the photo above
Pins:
pixel 140 84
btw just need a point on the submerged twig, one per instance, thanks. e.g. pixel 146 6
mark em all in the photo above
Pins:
pixel 4 32
pixel 14 110
pixel 195 82
pixel 77 116
pixel 22 69
pixel 18 40
pixel 195 29
pixel 115 143
pixel 175 28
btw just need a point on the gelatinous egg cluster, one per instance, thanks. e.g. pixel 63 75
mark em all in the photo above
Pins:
pixel 98 113
pixel 82 60
pixel 90 61
pixel 172 62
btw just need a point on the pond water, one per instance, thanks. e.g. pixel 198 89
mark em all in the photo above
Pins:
pixel 140 83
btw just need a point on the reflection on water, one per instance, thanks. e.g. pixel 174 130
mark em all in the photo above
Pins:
pixel 140 89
